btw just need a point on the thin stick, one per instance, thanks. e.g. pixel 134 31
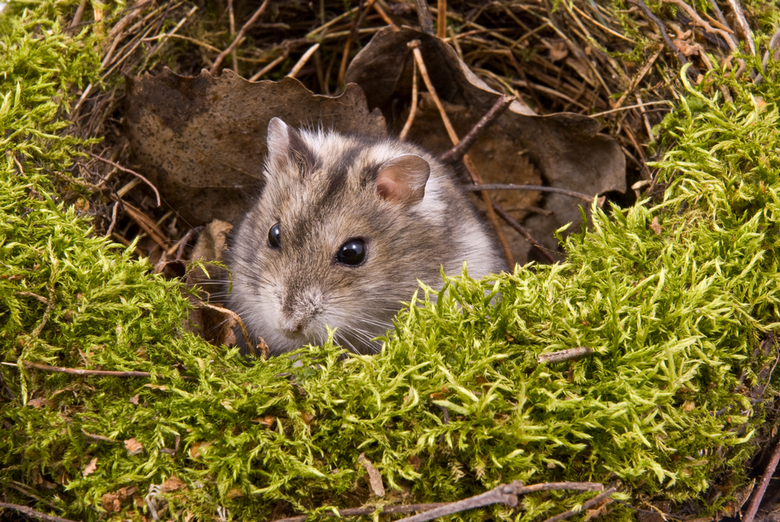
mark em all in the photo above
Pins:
pixel 353 32
pixel 662 29
pixel 31 512
pixel 134 173
pixel 146 224
pixel 629 107
pixel 46 314
pixel 441 19
pixel 512 222
pixel 564 355
pixel 504 494
pixel 475 177
pixel 77 16
pixel 413 109
pixel 740 14
pixel 765 478
pixel 585 505
pixel 371 509
pixel 113 218
pixel 383 15
pixel 268 67
pixel 79 371
pixel 305 58
pixel 424 16
pixel 233 53
pixel 238 38
pixel 530 188
pixel 460 149
pixel 699 20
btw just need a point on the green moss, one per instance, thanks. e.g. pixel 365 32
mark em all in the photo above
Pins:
pixel 669 403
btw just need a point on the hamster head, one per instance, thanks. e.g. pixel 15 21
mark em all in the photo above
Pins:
pixel 343 230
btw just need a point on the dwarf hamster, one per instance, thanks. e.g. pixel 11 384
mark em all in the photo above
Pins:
pixel 342 231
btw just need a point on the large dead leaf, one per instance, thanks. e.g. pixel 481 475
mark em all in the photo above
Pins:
pixel 564 147
pixel 201 140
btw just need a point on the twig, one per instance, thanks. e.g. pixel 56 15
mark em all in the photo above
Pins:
pixel 238 38
pixel 351 512
pixel 99 438
pixel 504 494
pixel 699 20
pixel 268 67
pixel 460 148
pixel 148 226
pixel 662 29
pixel 134 173
pixel 414 45
pixel 532 188
pixel 740 14
pixel 585 505
pixel 512 222
pixel 32 513
pixel 424 16
pixel 564 355
pixel 353 32
pixel 234 52
pixel 305 58
pixel 36 296
pixel 113 219
pixel 46 314
pixel 383 15
pixel 79 371
pixel 413 108
pixel 765 478
pixel 441 19
pixel 77 16
pixel 639 77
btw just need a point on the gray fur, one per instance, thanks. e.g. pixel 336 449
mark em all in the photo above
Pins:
pixel 321 187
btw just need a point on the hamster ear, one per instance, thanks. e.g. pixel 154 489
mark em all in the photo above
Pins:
pixel 402 179
pixel 278 141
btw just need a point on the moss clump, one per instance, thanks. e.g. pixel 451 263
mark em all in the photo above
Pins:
pixel 674 298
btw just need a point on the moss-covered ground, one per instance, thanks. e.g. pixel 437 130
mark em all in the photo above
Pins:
pixel 678 299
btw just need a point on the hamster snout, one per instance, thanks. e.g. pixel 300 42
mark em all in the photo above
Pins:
pixel 344 229
pixel 298 317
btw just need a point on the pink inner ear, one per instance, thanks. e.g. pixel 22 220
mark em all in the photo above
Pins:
pixel 386 188
pixel 403 178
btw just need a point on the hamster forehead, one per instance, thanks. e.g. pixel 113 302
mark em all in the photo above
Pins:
pixel 325 195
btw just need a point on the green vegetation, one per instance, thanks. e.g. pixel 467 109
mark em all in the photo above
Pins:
pixel 674 298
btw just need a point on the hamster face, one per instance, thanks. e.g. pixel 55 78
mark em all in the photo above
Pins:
pixel 339 237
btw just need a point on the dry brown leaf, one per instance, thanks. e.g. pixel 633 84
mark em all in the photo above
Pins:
pixel 558 50
pixel 202 140
pixel 135 399
pixel 90 468
pixel 198 448
pixel 40 402
pixel 111 502
pixel 374 478
pixel 133 447
pixel 172 484
pixel 234 493
pixel 656 226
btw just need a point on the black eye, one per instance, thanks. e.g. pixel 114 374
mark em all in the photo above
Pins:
pixel 275 236
pixel 353 252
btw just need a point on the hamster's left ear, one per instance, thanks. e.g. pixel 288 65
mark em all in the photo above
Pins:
pixel 278 142
pixel 402 179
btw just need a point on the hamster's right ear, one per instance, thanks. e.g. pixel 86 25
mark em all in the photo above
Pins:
pixel 402 179
pixel 278 142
